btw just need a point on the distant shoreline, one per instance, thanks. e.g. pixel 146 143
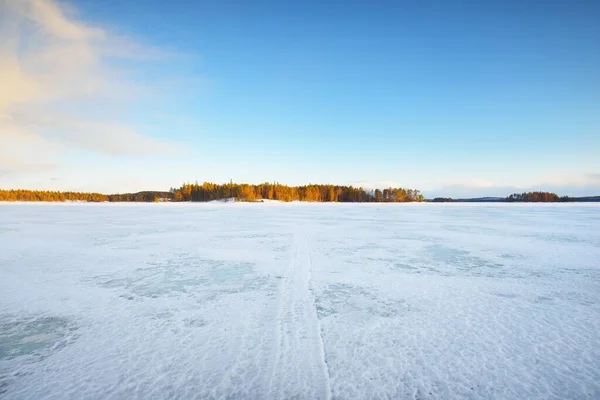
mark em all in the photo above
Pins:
pixel 267 192
pixel 584 199
pixel 260 204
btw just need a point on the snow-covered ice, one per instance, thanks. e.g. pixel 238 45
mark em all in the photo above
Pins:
pixel 304 301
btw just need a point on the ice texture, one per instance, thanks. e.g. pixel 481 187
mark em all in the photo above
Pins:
pixel 299 301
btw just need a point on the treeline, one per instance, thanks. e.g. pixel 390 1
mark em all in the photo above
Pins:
pixel 142 197
pixel 242 192
pixel 442 200
pixel 536 197
pixel 274 191
pixel 547 197
pixel 43 195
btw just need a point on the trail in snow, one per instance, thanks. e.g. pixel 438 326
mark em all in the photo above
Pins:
pixel 300 370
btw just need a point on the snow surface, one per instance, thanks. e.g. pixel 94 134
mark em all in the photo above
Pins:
pixel 306 301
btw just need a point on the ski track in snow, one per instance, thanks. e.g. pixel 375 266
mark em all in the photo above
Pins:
pixel 299 301
pixel 300 369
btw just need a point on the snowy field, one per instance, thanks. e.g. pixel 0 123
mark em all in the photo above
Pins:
pixel 299 301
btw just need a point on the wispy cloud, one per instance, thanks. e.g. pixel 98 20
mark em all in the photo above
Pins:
pixel 475 183
pixel 589 179
pixel 49 63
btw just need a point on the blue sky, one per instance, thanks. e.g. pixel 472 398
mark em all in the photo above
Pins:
pixel 453 98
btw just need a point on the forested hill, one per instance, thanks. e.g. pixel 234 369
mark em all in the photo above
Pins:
pixel 242 192
pixel 274 191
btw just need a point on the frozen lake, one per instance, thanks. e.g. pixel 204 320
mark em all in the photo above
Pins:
pixel 299 301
